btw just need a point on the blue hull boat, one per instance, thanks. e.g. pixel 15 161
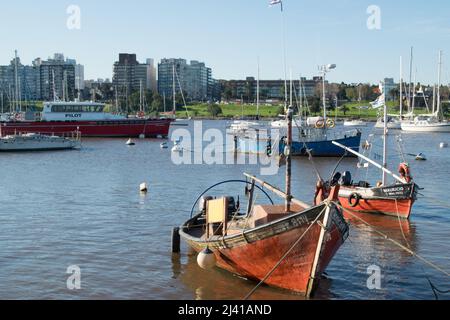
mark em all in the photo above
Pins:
pixel 318 143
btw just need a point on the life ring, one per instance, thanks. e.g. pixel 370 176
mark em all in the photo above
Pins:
pixel 330 123
pixel 356 197
pixel 405 172
pixel 320 124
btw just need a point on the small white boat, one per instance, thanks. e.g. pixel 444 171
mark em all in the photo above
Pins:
pixel 421 157
pixel 37 142
pixel 164 145
pixel 130 142
pixel 355 123
pixel 393 123
pixel 426 124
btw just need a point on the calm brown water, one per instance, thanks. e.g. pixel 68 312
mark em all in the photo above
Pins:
pixel 83 208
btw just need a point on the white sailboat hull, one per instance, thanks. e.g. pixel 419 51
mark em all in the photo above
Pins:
pixel 36 143
pixel 432 127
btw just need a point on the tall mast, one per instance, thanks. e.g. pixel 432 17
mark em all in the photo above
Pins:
pixel 174 90
pixel 385 132
pixel 257 94
pixel 439 84
pixel 140 96
pixel 287 152
pixel 414 94
pixel 117 101
pixel 324 99
pixel 410 98
pixel 401 88
pixel 16 82
pixel 53 85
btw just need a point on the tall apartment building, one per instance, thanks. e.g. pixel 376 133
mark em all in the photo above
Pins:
pixel 195 79
pixel 57 78
pixel 28 85
pixel 129 74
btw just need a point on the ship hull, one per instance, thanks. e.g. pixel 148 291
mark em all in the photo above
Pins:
pixel 254 253
pixel 396 200
pixel 110 128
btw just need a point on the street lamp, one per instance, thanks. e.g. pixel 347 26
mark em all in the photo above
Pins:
pixel 323 71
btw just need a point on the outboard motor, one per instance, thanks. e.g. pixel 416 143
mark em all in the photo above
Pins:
pixel 346 179
pixel 231 206
pixel 202 203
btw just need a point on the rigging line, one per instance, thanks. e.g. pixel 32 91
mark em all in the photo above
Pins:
pixel 400 225
pixel 429 263
pixel 286 254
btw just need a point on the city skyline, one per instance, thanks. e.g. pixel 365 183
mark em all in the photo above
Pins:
pixel 244 31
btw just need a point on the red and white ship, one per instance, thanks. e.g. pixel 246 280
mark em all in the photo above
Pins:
pixel 90 119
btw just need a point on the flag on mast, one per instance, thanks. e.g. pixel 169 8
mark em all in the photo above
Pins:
pixel 275 2
pixel 381 100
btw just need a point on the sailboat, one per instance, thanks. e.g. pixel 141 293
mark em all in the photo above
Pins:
pixel 286 245
pixel 240 128
pixel 388 199
pixel 430 122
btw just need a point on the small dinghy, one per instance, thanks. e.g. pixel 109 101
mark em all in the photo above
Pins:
pixel 164 145
pixel 130 142
pixel 421 157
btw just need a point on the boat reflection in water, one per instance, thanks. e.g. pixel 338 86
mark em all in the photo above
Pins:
pixel 217 284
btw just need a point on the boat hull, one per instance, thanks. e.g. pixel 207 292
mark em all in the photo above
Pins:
pixel 441 127
pixel 324 148
pixel 254 253
pixel 396 200
pixel 327 148
pixel 110 128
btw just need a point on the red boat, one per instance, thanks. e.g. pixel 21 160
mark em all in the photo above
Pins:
pixel 90 119
pixel 286 246
pixel 393 200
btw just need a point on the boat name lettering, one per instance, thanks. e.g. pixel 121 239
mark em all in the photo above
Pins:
pixel 73 115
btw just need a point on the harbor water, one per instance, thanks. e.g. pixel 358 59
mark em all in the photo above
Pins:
pixel 83 208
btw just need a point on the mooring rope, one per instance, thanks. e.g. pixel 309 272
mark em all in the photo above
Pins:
pixel 286 254
pixel 386 237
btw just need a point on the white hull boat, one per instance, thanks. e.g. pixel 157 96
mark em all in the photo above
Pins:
pixel 355 123
pixel 37 142
pixel 426 126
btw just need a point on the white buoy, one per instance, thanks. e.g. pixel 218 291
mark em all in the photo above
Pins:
pixel 159 136
pixel 130 142
pixel 443 145
pixel 142 136
pixel 143 187
pixel 206 259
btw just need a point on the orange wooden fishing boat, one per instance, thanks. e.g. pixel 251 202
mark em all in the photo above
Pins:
pixel 286 246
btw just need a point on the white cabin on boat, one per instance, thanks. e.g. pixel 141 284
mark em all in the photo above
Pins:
pixel 77 111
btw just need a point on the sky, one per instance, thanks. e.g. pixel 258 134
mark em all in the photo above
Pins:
pixel 230 36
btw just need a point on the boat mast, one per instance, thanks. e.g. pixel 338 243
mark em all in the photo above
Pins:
pixel 257 94
pixel 414 94
pixel 16 81
pixel 401 88
pixel 410 98
pixel 385 133
pixel 141 109
pixel 439 84
pixel 53 87
pixel 287 152
pixel 174 91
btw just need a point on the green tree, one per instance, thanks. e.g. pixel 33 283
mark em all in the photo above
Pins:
pixel 345 109
pixel 214 109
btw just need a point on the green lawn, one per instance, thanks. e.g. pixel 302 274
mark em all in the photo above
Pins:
pixel 237 111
